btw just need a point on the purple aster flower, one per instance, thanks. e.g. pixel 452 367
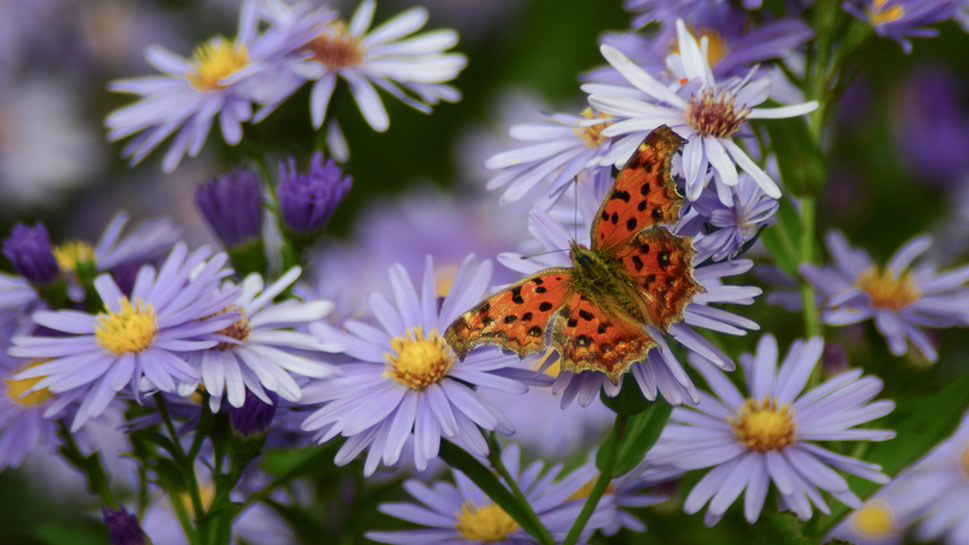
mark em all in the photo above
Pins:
pixel 307 201
pixel 23 428
pixel 661 371
pixel 232 207
pixel 696 107
pixel 731 227
pixel 662 11
pixel 137 342
pixel 415 66
pixel 461 513
pixel 404 377
pixel 768 436
pixel 123 528
pixel 732 45
pixel 224 78
pixel 557 152
pixel 30 252
pixel 260 347
pixel 901 300
pixel 883 519
pixel 902 19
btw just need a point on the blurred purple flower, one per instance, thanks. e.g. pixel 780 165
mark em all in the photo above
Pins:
pixel 123 528
pixel 254 416
pixel 932 125
pixel 29 249
pixel 902 19
pixel 232 207
pixel 732 226
pixel 307 201
pixel 899 299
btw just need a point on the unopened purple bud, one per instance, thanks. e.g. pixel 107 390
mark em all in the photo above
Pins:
pixel 123 528
pixel 254 416
pixel 28 248
pixel 307 201
pixel 232 206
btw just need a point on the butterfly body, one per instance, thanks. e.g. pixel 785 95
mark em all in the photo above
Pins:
pixel 635 273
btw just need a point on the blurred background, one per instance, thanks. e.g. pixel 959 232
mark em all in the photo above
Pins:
pixel 899 161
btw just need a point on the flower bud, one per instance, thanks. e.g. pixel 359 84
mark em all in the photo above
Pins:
pixel 253 417
pixel 30 252
pixel 123 528
pixel 307 201
pixel 232 207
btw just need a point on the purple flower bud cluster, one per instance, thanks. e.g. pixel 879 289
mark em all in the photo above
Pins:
pixel 28 248
pixel 232 206
pixel 307 201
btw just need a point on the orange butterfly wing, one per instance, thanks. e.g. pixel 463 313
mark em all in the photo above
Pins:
pixel 644 193
pixel 661 265
pixel 588 338
pixel 515 318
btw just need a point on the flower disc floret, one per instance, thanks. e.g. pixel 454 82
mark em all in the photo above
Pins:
pixel 875 519
pixel 592 134
pixel 886 290
pixel 216 60
pixel 336 47
pixel 130 330
pixel 879 14
pixel 486 524
pixel 239 330
pixel 715 113
pixel 419 361
pixel 764 425
pixel 16 388
pixel 74 253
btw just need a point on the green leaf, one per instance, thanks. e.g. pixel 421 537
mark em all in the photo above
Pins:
pixel 641 434
pixel 629 401
pixel 781 239
pixel 170 475
pixel 921 423
pixel 288 464
pixel 782 528
pixel 88 533
pixel 488 482
pixel 798 156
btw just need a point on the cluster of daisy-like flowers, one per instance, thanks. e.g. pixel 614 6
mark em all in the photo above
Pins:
pixel 184 345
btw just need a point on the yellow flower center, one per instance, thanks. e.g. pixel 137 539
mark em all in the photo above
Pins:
pixel 486 524
pixel 552 370
pixel 586 489
pixel 874 519
pixel 74 253
pixel 216 60
pixel 965 462
pixel 716 45
pixel 715 114
pixel 132 329
pixel 443 278
pixel 879 15
pixel 885 290
pixel 764 425
pixel 593 133
pixel 336 48
pixel 419 361
pixel 17 387
pixel 239 330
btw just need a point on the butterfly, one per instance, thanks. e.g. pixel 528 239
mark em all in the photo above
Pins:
pixel 635 273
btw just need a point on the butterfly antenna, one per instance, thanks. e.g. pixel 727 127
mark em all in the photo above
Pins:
pixel 539 254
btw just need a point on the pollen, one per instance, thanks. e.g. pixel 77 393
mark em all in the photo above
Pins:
pixel 874 520
pixel 419 361
pixel 592 134
pixel 216 60
pixel 552 370
pixel 443 278
pixel 887 291
pixel 486 524
pixel 130 330
pixel 715 114
pixel 16 388
pixel 764 425
pixel 879 15
pixel 72 254
pixel 965 462
pixel 239 330
pixel 336 47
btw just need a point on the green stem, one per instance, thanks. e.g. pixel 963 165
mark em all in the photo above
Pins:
pixel 605 477
pixel 494 456
pixel 184 519
pixel 90 466
pixel 812 323
pixel 182 459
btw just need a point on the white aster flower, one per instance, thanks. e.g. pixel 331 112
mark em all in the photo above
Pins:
pixel 696 107
pixel 416 66
pixel 261 349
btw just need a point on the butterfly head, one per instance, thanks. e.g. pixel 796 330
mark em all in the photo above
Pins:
pixel 582 257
